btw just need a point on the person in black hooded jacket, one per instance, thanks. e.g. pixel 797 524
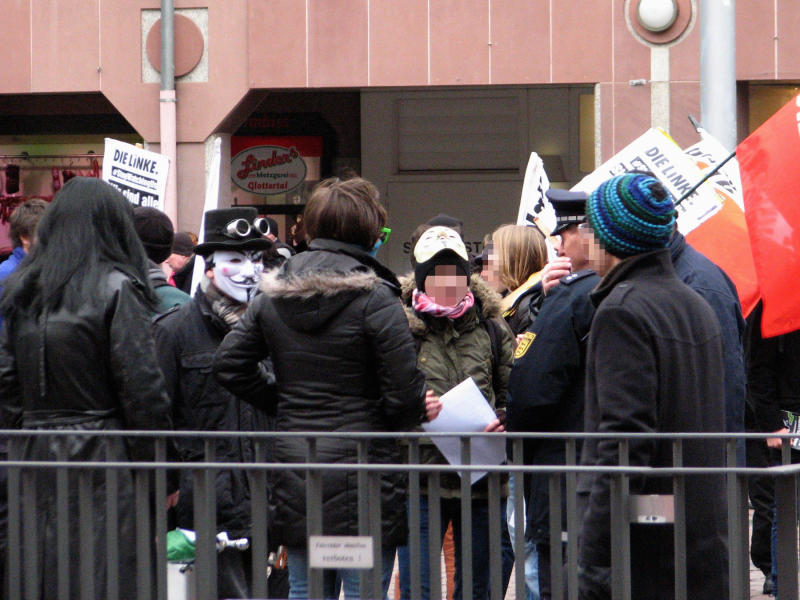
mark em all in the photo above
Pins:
pixel 344 360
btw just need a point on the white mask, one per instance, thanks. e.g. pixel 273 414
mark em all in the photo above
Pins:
pixel 237 273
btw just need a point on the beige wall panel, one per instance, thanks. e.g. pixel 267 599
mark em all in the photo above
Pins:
pixel 277 43
pixel 684 60
pixel 67 55
pixel 631 57
pixel 398 42
pixel 581 42
pixel 121 60
pixel 459 42
pixel 684 101
pixel 520 41
pixel 16 77
pixel 337 43
pixel 631 113
pixel 192 185
pixel 788 39
pixel 755 49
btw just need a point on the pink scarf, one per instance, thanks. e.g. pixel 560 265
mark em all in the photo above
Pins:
pixel 423 304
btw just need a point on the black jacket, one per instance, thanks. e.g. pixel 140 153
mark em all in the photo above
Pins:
pixel 520 316
pixel 344 360
pixel 547 385
pixel 186 339
pixel 773 373
pixel 655 365
pixel 89 370
pixel 716 288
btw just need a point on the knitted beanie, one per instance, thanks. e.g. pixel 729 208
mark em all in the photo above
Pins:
pixel 155 231
pixel 631 214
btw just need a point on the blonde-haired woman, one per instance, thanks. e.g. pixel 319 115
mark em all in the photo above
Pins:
pixel 516 259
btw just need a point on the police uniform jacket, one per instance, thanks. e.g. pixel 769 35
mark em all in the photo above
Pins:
pixel 546 388
pixel 655 365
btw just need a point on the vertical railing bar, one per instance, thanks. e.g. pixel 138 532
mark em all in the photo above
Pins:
pixel 786 453
pixel 313 515
pixel 466 522
pixel 621 530
pixel 744 528
pixel 376 531
pixel 112 527
pixel 63 520
pixel 205 523
pixel 86 528
pixel 143 534
pixel 364 585
pixel 519 520
pixel 259 503
pixel 414 513
pixel 786 506
pixel 573 523
pixel 679 504
pixel 161 519
pixel 495 544
pixel 556 556
pixel 735 565
pixel 435 534
pixel 29 529
pixel 14 543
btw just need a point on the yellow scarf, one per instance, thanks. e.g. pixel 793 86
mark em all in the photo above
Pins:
pixel 508 304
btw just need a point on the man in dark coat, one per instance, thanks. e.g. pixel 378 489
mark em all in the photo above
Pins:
pixel 547 386
pixel 655 365
pixel 187 339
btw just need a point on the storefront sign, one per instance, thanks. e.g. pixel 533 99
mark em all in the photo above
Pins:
pixel 340 552
pixel 139 174
pixel 268 170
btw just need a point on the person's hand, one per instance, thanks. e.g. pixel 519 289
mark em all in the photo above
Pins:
pixel 777 442
pixel 520 336
pixel 495 426
pixel 554 271
pixel 172 499
pixel 433 406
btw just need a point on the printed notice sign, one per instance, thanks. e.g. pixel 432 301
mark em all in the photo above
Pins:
pixel 139 174
pixel 340 552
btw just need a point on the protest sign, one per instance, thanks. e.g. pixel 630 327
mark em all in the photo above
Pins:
pixel 534 208
pixel 211 203
pixel 656 152
pixel 723 238
pixel 139 174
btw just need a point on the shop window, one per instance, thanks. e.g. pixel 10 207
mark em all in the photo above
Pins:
pixel 766 100
pixel 459 134
pixel 586 134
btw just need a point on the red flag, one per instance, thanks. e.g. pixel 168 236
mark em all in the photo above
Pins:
pixel 769 161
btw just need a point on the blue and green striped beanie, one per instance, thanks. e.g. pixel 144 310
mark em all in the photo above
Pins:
pixel 631 214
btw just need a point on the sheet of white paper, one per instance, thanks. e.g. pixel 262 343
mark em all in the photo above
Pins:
pixel 464 409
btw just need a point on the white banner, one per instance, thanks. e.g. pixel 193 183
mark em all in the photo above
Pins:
pixel 658 153
pixel 708 153
pixel 139 174
pixel 534 207
pixel 211 203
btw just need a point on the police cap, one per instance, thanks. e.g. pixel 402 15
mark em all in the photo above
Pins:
pixel 570 207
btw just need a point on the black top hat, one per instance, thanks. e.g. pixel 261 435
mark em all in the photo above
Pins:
pixel 570 207
pixel 238 229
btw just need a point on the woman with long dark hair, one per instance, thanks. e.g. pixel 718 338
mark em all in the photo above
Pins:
pixel 77 354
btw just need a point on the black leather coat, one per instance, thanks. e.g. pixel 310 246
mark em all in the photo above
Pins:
pixel 186 339
pixel 344 360
pixel 85 370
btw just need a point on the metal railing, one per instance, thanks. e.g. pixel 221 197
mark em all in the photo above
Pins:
pixel 149 482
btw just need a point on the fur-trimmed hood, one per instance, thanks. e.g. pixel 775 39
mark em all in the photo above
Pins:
pixel 326 283
pixel 486 300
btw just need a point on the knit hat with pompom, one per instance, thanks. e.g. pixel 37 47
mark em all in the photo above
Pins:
pixel 631 214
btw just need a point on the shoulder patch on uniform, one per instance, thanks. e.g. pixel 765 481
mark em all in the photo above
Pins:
pixel 573 277
pixel 524 344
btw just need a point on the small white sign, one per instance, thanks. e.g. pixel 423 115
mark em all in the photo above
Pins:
pixel 340 552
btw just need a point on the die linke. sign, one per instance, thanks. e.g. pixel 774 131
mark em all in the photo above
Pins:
pixel 340 552
pixel 268 170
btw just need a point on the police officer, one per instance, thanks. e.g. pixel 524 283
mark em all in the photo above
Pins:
pixel 546 389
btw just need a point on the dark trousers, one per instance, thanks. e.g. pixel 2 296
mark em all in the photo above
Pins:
pixel 761 489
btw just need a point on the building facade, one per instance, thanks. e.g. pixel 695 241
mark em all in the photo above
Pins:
pixel 439 102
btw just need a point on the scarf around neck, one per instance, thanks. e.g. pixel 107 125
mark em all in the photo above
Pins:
pixel 225 307
pixel 423 304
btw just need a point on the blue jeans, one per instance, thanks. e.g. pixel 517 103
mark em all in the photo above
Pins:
pixel 451 512
pixel 297 559
pixel 531 556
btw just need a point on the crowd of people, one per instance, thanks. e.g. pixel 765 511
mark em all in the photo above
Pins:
pixel 627 329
